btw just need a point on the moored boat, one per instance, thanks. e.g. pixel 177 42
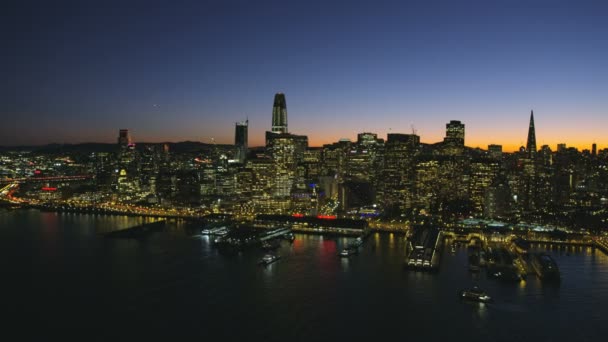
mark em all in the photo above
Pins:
pixel 475 294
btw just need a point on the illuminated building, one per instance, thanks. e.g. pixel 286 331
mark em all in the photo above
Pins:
pixel 395 190
pixel 240 140
pixel 441 181
pixel 124 139
pixel 285 150
pixel 531 142
pixel 312 160
pixel 497 199
pixel 495 151
pixel 483 173
pixel 453 143
pixel 279 114
pixel 454 133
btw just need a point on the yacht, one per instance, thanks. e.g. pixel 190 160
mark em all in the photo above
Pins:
pixel 269 259
pixel 475 294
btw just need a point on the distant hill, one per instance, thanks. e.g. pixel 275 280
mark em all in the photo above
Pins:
pixel 178 147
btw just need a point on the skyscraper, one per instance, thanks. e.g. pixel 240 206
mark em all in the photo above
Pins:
pixel 279 114
pixel 240 140
pixel 124 139
pixel 454 133
pixel 531 144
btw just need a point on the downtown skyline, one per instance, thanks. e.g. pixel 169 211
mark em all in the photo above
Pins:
pixel 81 74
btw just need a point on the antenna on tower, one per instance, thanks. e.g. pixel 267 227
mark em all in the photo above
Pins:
pixel 413 129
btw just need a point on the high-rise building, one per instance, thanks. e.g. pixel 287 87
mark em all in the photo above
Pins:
pixel 594 149
pixel 495 151
pixel 279 114
pixel 124 139
pixel 367 138
pixel 531 143
pixel 395 190
pixel 286 151
pixel 454 133
pixel 240 140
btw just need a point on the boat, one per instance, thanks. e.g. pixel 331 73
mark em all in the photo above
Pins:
pixel 545 267
pixel 348 251
pixel 269 259
pixel 475 294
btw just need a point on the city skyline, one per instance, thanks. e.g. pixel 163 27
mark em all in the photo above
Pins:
pixel 176 73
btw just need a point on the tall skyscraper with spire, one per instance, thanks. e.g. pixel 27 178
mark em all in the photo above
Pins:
pixel 279 114
pixel 531 144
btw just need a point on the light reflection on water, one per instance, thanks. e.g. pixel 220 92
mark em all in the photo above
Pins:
pixel 179 280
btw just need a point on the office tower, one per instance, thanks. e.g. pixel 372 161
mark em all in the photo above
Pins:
pixel 495 151
pixel 531 143
pixel 367 139
pixel 454 133
pixel 240 140
pixel 497 199
pixel 286 151
pixel 395 189
pixel 279 114
pixel 594 149
pixel 483 173
pixel 124 139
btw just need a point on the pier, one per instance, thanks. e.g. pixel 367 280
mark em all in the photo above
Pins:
pixel 424 246
pixel 271 234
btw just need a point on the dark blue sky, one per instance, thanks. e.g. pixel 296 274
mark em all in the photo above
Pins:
pixel 187 70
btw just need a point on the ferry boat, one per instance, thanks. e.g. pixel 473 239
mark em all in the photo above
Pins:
pixel 475 294
pixel 545 267
pixel 269 259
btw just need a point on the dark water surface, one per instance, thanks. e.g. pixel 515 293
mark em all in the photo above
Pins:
pixel 61 279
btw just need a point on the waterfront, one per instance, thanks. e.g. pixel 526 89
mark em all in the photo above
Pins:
pixel 64 279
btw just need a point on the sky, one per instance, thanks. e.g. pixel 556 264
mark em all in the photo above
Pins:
pixel 78 71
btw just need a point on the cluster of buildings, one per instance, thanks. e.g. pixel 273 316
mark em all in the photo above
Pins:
pixel 394 178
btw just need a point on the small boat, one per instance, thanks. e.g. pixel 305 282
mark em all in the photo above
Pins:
pixel 269 259
pixel 348 251
pixel 475 294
